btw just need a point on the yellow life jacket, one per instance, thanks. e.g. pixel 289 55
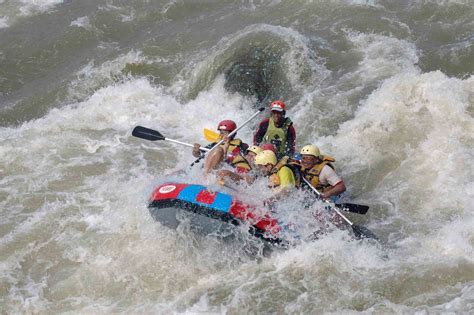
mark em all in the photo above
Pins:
pixel 234 157
pixel 277 136
pixel 312 175
pixel 283 161
pixel 274 180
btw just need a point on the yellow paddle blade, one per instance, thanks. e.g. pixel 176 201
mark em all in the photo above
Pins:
pixel 211 136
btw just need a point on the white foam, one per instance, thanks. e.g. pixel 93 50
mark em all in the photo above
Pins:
pixel 128 17
pixel 454 240
pixel 383 55
pixel 413 137
pixel 81 22
pixel 92 76
pixel 4 23
pixel 324 107
pixel 31 7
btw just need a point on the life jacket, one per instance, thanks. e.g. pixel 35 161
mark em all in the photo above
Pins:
pixel 277 136
pixel 274 180
pixel 234 155
pixel 312 174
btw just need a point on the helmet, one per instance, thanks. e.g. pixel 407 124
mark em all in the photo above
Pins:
pixel 310 150
pixel 227 125
pixel 255 149
pixel 278 106
pixel 266 157
pixel 269 146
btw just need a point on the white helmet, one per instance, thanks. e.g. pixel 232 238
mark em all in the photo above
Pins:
pixel 311 150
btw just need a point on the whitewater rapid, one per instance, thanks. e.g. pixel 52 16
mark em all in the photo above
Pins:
pixel 75 232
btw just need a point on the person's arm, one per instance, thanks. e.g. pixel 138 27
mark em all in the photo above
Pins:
pixel 227 141
pixel 223 174
pixel 196 149
pixel 290 141
pixel 328 175
pixel 339 188
pixel 234 176
pixel 261 131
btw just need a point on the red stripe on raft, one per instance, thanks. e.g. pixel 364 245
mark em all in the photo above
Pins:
pixel 206 197
pixel 250 214
pixel 269 225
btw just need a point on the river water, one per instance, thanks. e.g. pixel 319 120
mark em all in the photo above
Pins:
pixel 386 87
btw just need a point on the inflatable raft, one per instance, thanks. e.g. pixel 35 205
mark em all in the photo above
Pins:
pixel 210 211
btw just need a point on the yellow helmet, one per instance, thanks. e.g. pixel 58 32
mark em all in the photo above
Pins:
pixel 255 149
pixel 311 150
pixel 266 157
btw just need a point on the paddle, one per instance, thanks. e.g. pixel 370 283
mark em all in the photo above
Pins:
pixel 359 231
pixel 210 135
pixel 353 207
pixel 153 135
pixel 261 109
pixel 350 207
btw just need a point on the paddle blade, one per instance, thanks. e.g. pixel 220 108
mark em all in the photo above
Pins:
pixel 363 232
pixel 352 207
pixel 210 135
pixel 146 133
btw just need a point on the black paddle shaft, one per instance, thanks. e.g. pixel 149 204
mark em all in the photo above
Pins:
pixel 153 135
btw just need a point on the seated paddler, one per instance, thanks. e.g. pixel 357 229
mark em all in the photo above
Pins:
pixel 282 180
pixel 230 151
pixel 320 172
pixel 235 176
pixel 282 161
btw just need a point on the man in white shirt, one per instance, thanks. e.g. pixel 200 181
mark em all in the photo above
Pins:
pixel 320 172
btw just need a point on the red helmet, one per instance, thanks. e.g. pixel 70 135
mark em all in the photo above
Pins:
pixel 269 146
pixel 278 106
pixel 227 125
